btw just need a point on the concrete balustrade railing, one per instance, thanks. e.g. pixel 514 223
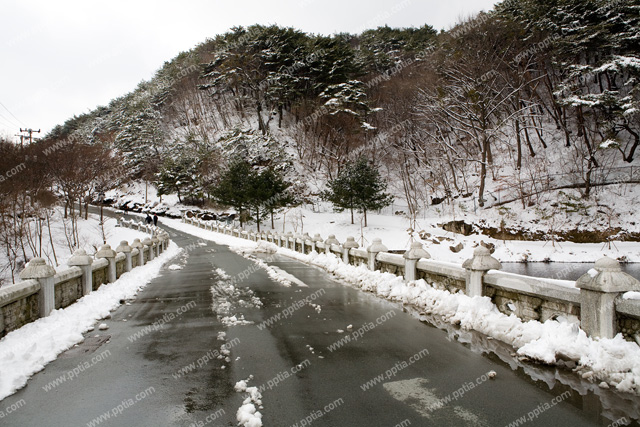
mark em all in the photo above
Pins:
pixel 44 290
pixel 595 300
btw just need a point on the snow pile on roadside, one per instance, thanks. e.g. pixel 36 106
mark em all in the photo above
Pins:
pixel 27 350
pixel 222 239
pixel 266 247
pixel 275 273
pixel 248 415
pixel 282 276
pixel 614 361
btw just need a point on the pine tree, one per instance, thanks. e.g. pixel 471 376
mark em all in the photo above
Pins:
pixel 258 192
pixel 235 187
pixel 359 186
pixel 276 194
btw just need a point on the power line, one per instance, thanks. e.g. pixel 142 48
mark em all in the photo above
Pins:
pixel 13 115
pixel 7 120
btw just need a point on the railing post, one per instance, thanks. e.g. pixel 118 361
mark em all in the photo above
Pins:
pixel 598 293
pixel 84 261
pixel 126 250
pixel 110 255
pixel 316 238
pixel 165 241
pixel 148 243
pixel 477 267
pixel 411 258
pixel 372 252
pixel 155 243
pixel 160 247
pixel 137 244
pixel 330 241
pixel 306 241
pixel 38 269
pixel 348 245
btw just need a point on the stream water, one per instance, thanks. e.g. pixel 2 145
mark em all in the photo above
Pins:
pixel 561 270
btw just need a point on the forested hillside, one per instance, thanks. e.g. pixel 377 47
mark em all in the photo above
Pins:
pixel 529 99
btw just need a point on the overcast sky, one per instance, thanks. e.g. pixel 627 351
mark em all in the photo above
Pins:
pixel 65 57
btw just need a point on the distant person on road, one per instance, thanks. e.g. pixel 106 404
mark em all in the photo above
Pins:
pixel 147 219
pixel 155 219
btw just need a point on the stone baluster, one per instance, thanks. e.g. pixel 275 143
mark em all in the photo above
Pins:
pixel 137 244
pixel 411 258
pixel 39 270
pixel 149 244
pixel 477 267
pixel 347 246
pixel 316 238
pixel 598 293
pixel 110 255
pixel 126 250
pixel 330 241
pixel 84 261
pixel 372 252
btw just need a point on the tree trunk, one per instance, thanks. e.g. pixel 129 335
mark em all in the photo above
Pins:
pixel 365 217
pixel 258 219
pixel 261 126
pixel 352 216
pixel 483 175
pixel 519 145
pixel 636 137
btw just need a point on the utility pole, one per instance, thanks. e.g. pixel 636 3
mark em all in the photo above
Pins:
pixel 30 132
pixel 21 138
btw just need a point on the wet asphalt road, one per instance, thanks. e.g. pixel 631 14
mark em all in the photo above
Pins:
pixel 144 378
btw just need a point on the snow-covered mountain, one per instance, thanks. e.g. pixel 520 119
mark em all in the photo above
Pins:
pixel 525 117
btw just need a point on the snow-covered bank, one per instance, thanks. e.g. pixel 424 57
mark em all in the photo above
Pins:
pixel 27 350
pixel 395 230
pixel 608 362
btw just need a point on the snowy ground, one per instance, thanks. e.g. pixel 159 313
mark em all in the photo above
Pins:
pixel 90 233
pixel 29 349
pixel 396 231
pixel 607 362
pixel 395 234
